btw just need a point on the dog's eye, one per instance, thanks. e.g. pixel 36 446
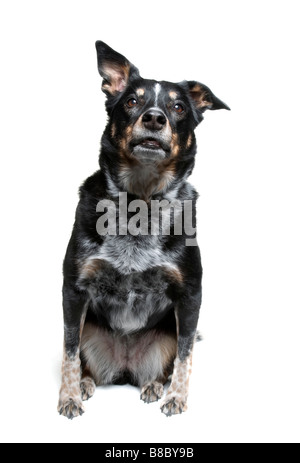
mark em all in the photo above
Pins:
pixel 132 102
pixel 179 108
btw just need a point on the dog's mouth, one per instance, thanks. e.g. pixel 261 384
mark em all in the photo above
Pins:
pixel 150 143
pixel 150 148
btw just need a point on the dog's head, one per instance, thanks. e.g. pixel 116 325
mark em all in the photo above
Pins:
pixel 151 122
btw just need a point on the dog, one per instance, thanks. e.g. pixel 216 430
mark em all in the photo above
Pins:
pixel 131 300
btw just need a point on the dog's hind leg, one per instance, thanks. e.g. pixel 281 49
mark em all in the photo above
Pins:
pixel 156 366
pixel 87 384
pixel 153 390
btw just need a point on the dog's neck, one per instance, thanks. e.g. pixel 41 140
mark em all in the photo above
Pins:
pixel 146 179
pixel 143 179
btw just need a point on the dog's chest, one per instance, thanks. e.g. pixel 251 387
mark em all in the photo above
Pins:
pixel 129 301
pixel 129 254
pixel 128 280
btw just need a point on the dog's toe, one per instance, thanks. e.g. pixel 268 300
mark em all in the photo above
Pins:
pixel 152 392
pixel 87 387
pixel 173 406
pixel 71 408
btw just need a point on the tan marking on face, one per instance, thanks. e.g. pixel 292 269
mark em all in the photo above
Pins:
pixel 175 147
pixel 125 140
pixel 176 150
pixel 123 146
pixel 113 130
pixel 173 95
pixel 138 126
pixel 128 131
pixel 140 92
pixel 189 141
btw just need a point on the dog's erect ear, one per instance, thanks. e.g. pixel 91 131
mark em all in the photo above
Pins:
pixel 114 68
pixel 204 98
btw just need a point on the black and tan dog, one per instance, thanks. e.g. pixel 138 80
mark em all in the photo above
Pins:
pixel 131 300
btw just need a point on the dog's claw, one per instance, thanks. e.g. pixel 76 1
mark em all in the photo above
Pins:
pixel 87 387
pixel 71 409
pixel 173 406
pixel 152 392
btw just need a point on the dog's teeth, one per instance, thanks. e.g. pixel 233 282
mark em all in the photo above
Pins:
pixel 150 143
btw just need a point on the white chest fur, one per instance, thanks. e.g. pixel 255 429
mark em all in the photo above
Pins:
pixel 133 254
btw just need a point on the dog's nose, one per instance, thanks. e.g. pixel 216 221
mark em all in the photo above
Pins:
pixel 154 119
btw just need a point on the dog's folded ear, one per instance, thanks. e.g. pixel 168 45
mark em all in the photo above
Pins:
pixel 204 98
pixel 115 69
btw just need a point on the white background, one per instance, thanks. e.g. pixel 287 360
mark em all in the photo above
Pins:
pixel 245 382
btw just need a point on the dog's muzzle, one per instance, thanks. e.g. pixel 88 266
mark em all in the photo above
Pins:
pixel 150 148
pixel 151 139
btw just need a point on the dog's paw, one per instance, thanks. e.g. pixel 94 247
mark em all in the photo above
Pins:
pixel 152 392
pixel 173 406
pixel 87 387
pixel 71 408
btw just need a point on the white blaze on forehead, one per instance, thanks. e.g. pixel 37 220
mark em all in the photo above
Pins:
pixel 157 90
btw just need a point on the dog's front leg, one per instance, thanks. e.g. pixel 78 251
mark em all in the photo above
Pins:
pixel 176 398
pixel 70 401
